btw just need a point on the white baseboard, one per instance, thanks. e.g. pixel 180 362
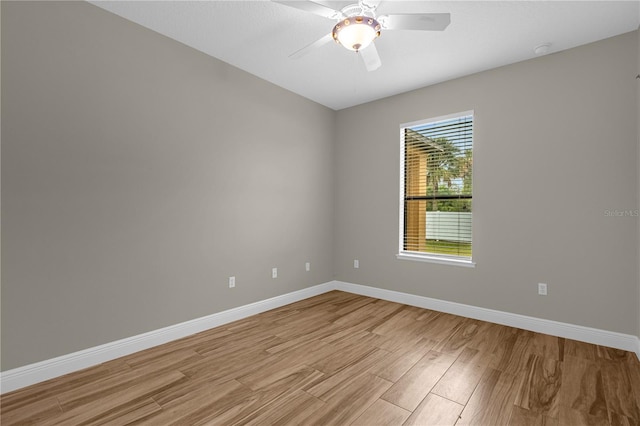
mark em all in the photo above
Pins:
pixel 595 336
pixel 34 373
pixel 38 372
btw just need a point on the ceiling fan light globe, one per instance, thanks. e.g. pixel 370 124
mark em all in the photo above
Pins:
pixel 356 32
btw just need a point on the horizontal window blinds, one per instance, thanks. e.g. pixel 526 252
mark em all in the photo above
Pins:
pixel 438 162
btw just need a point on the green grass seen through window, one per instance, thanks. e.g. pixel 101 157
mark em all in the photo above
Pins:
pixel 449 247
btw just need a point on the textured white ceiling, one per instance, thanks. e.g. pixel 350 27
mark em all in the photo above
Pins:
pixel 258 37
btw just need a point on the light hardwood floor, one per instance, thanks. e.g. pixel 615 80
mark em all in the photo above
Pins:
pixel 344 359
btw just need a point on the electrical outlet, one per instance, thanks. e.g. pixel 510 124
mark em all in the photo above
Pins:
pixel 542 289
pixel 307 266
pixel 232 282
pixel 356 263
pixel 274 273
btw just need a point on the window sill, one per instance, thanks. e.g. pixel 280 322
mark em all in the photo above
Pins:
pixel 437 259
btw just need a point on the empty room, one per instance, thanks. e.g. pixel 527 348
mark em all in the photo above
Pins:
pixel 375 212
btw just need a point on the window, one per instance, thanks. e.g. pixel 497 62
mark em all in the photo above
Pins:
pixel 436 189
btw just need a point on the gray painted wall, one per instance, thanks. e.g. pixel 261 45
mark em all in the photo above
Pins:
pixel 555 146
pixel 138 175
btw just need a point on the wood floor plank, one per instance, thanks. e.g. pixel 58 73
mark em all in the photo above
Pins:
pixel 116 366
pixel 41 391
pixel 580 350
pixel 618 390
pixel 511 355
pixel 245 408
pixel 545 346
pixel 303 323
pixel 619 419
pixel 136 412
pixel 413 386
pixel 397 363
pixel 382 413
pixel 384 308
pixel 226 365
pixel 427 315
pixel 396 323
pixel 201 405
pixel 523 417
pixel 488 336
pixel 540 386
pixel 459 382
pixel 360 327
pixel 34 412
pixel 164 361
pixel 400 342
pixel 362 313
pixel 569 416
pixel 96 390
pixel 309 352
pixel 611 354
pixel 125 379
pixel 583 388
pixel 340 359
pixel 277 368
pixel 351 304
pixel 293 409
pixel 440 326
pixel 296 342
pixel 435 410
pixel 116 404
pixel 492 402
pixel 632 370
pixel 193 384
pixel 329 385
pixel 349 403
pixel 461 337
pixel 240 341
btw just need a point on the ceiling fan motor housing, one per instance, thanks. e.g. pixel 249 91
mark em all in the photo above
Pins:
pixel 358 25
pixel 356 32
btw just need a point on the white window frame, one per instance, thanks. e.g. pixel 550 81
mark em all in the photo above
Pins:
pixel 420 256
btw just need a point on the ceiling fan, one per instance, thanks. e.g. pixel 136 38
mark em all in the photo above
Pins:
pixel 358 26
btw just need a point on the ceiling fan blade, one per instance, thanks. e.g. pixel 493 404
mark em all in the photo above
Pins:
pixel 312 7
pixel 421 21
pixel 371 4
pixel 370 57
pixel 308 48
